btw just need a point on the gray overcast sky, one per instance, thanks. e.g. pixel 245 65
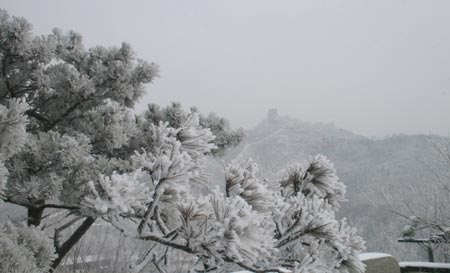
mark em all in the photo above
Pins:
pixel 374 67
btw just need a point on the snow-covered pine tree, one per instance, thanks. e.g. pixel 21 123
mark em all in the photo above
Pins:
pixel 67 125
pixel 65 114
pixel 247 225
pixel 70 143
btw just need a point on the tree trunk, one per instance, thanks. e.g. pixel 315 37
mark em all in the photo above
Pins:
pixel 34 216
pixel 73 239
pixel 430 254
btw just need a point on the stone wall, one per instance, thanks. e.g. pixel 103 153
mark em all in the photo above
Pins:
pixel 380 263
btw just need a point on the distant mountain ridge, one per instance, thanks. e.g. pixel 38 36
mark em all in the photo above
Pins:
pixel 277 141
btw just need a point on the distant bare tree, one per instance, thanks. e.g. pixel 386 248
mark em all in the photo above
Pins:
pixel 424 208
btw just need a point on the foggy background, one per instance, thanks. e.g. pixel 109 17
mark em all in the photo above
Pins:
pixel 373 68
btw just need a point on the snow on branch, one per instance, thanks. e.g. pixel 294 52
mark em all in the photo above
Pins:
pixel 241 180
pixel 119 193
pixel 314 177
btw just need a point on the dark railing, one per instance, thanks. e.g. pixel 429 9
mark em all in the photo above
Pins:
pixel 428 244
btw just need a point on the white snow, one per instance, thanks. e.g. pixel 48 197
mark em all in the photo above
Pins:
pixel 425 265
pixel 372 255
pixel 82 260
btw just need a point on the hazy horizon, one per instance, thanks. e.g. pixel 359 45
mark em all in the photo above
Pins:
pixel 374 68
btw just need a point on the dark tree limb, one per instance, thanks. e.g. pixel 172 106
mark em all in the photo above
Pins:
pixel 73 239
pixel 61 228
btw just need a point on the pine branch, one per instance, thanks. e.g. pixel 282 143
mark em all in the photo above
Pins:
pixel 34 114
pixel 56 206
pixel 38 206
pixel 151 206
pixel 166 242
pixel 162 226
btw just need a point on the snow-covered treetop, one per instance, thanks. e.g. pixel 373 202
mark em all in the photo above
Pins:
pixel 174 114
